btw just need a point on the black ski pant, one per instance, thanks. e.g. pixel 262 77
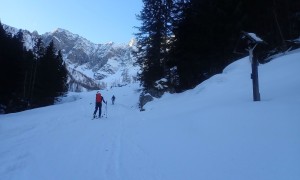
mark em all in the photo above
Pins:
pixel 98 106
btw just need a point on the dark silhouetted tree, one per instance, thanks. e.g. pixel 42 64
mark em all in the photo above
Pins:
pixel 153 40
pixel 51 77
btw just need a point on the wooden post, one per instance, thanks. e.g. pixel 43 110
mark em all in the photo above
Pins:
pixel 253 41
pixel 256 94
pixel 254 76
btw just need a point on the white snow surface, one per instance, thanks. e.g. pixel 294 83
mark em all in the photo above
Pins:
pixel 212 132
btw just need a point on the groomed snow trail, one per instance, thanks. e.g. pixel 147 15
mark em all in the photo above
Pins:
pixel 65 142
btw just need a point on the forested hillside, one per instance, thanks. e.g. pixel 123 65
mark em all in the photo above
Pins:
pixel 184 42
pixel 29 78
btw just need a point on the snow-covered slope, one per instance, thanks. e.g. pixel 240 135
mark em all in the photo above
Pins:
pixel 213 132
pixel 91 66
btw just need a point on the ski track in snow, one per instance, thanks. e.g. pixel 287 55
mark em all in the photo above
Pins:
pixel 100 138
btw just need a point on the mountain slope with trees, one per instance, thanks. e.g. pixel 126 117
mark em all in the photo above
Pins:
pixel 29 78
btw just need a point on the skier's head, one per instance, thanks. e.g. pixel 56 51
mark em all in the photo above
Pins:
pixel 98 92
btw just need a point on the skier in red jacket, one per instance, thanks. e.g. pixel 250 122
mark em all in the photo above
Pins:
pixel 99 99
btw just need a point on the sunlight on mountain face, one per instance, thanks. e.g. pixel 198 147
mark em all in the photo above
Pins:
pixel 91 66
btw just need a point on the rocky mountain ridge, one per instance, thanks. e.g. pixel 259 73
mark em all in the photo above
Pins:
pixel 91 66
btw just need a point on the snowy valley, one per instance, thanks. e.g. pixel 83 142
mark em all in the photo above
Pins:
pixel 214 131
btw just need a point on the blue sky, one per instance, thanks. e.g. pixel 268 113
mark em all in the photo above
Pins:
pixel 99 21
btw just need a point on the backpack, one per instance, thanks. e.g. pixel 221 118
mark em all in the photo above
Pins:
pixel 98 98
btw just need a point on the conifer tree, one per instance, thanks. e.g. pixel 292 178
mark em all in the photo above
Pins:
pixel 207 32
pixel 62 75
pixel 38 51
pixel 51 76
pixel 29 78
pixel 152 41
pixel 14 63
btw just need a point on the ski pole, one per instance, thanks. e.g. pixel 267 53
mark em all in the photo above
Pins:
pixel 106 110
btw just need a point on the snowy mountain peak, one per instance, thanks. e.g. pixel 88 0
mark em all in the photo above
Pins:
pixel 59 30
pixel 64 31
pixel 90 65
pixel 98 62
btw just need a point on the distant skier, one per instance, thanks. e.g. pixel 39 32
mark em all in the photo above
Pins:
pixel 99 99
pixel 113 99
